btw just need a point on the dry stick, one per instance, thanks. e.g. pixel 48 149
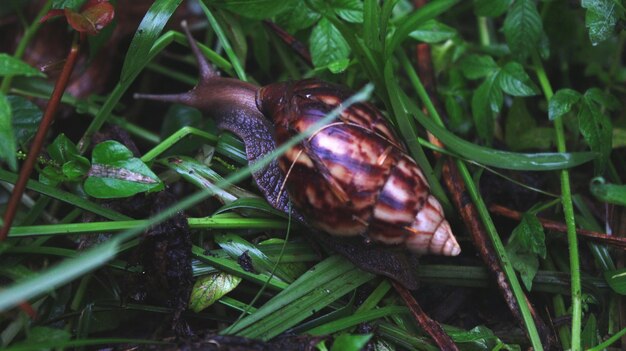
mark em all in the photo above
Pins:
pixel 37 144
pixel 431 327
pixel 560 227
pixel 463 203
pixel 444 342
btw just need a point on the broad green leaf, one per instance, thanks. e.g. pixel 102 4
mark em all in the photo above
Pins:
pixel 11 66
pixel 115 173
pixel 597 130
pixel 327 44
pixel 7 138
pixel 605 100
pixel 210 288
pixel 526 243
pixel 501 159
pixel 146 35
pixel 562 102
pixel 491 8
pixel 64 153
pixel 298 17
pixel 417 17
pixel 349 342
pixel 487 99
pixel 523 28
pixel 349 10
pixel 62 149
pixel 514 81
pixel 521 131
pixel 478 66
pixel 256 9
pixel 617 280
pixel 26 117
pixel 600 19
pixel 433 31
pixel 606 192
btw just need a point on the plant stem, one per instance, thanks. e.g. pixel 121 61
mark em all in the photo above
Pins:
pixel 568 212
pixel 37 144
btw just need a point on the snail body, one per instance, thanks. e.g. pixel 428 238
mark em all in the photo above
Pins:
pixel 351 177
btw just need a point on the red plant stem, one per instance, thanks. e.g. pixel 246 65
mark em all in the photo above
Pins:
pixel 432 328
pixel 560 227
pixel 289 39
pixel 38 141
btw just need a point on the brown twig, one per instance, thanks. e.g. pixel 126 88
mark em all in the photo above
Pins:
pixel 464 205
pixel 293 43
pixel 560 227
pixel 35 148
pixel 431 327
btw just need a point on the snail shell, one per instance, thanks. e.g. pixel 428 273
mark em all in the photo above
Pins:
pixel 352 176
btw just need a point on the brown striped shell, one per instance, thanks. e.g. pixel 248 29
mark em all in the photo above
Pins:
pixel 352 176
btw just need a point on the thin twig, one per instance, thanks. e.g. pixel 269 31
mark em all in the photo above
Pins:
pixel 297 46
pixel 35 148
pixel 432 328
pixel 560 227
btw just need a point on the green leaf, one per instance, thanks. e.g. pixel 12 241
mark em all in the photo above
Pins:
pixel 501 159
pixel 526 243
pixel 600 19
pixel 491 8
pixel 606 192
pixel 73 166
pixel 433 31
pixel 589 335
pixel 562 102
pixel 256 9
pixel 521 131
pixel 486 100
pixel 417 17
pixel 597 130
pixel 7 138
pixel 616 279
pixel 298 17
pixel 11 66
pixel 523 28
pixel 604 99
pixel 210 288
pixel 514 81
pixel 46 334
pixel 349 342
pixel 478 66
pixel 349 10
pixel 237 247
pixel 26 118
pixel 327 44
pixel 116 173
pixel 73 4
pixel 146 35
pixel 62 149
pixel 314 290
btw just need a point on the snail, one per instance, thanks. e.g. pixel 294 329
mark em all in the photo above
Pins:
pixel 350 178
